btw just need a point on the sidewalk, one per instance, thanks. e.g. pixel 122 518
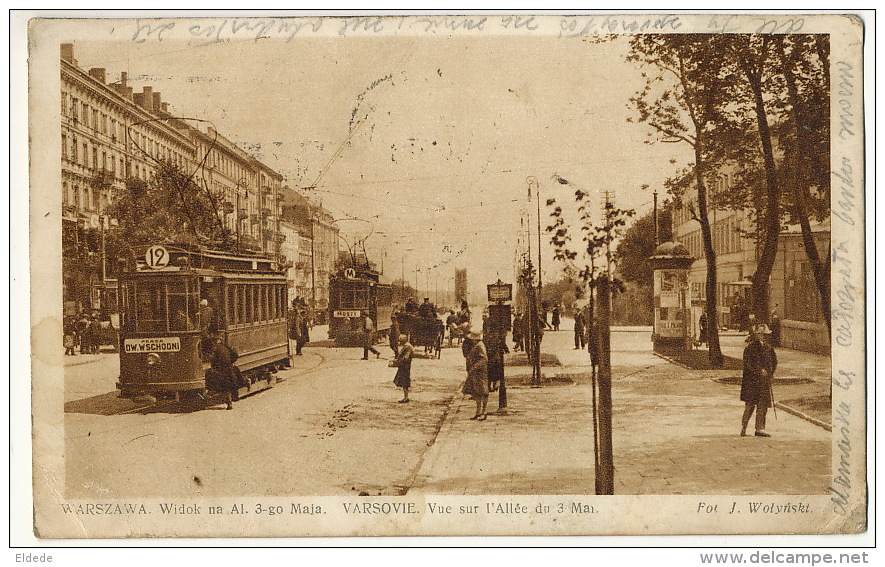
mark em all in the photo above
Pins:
pixel 676 431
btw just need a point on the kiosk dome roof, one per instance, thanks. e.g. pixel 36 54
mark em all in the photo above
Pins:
pixel 672 248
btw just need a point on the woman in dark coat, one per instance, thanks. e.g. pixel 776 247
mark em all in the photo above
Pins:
pixel 403 364
pixel 760 362
pixel 477 384
pixel 223 376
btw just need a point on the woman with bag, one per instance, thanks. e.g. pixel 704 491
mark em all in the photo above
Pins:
pixel 403 364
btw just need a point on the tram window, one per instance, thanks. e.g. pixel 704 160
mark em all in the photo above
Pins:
pixel 280 301
pixel 150 307
pixel 183 305
pixel 241 304
pixel 232 305
pixel 250 306
pixel 262 302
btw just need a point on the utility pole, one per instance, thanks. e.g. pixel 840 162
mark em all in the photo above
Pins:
pixel 656 217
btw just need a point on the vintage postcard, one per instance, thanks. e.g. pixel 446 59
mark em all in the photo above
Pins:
pixel 446 275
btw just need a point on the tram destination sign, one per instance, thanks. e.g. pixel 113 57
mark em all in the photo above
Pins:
pixel 152 344
pixel 343 314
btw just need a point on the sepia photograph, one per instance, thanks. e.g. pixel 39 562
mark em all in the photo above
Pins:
pixel 447 275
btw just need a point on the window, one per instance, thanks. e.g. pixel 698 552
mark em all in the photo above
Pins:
pixel 250 306
pixel 64 147
pixel 64 194
pixel 74 108
pixel 94 157
pixel 159 306
pixel 64 104
pixel 85 154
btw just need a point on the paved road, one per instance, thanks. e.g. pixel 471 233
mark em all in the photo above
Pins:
pixel 675 431
pixel 331 427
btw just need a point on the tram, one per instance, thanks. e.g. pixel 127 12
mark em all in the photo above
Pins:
pixel 163 322
pixel 354 294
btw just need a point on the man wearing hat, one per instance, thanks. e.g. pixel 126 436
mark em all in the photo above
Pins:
pixel 760 363
pixel 427 309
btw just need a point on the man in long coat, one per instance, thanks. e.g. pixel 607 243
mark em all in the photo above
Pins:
pixel 760 362
pixel 579 329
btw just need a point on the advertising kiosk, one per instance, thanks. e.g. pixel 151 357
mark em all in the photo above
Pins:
pixel 672 297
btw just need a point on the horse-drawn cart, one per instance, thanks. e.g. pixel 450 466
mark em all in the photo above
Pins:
pixel 423 332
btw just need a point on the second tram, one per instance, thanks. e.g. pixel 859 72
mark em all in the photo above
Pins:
pixel 354 295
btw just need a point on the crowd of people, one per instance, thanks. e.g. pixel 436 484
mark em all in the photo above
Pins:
pixel 83 333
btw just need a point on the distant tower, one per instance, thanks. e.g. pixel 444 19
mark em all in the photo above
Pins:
pixel 460 285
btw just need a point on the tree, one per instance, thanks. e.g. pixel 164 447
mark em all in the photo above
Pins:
pixel 804 62
pixel 684 100
pixel 170 208
pixel 638 244
pixel 782 83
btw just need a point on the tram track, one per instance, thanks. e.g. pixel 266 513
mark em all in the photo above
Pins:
pixel 159 406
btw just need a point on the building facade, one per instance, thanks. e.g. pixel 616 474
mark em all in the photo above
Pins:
pixel 793 294
pixel 313 260
pixel 110 134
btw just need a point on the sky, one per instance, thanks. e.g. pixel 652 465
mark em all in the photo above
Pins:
pixel 429 141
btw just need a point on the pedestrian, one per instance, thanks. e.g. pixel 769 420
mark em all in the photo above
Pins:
pixel 703 329
pixel 760 362
pixel 579 330
pixel 223 376
pixel 393 334
pixel 775 328
pixel 303 331
pixel 70 337
pixel 451 325
pixel 83 334
pixel 403 364
pixel 496 348
pixel 369 338
pixel 94 335
pixel 554 319
pixel 517 332
pixel 467 343
pixel 477 384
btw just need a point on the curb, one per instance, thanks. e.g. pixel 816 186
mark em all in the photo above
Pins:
pixel 82 362
pixel 804 416
pixel 788 409
pixel 431 454
pixel 672 361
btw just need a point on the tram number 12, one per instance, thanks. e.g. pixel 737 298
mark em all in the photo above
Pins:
pixel 157 257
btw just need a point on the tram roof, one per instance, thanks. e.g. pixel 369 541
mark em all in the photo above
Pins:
pixel 214 262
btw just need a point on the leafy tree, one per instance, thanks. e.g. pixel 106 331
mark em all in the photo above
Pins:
pixel 684 100
pixel 170 208
pixel 804 62
pixel 597 238
pixel 638 244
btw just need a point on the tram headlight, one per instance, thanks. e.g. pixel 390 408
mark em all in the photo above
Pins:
pixel 153 358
